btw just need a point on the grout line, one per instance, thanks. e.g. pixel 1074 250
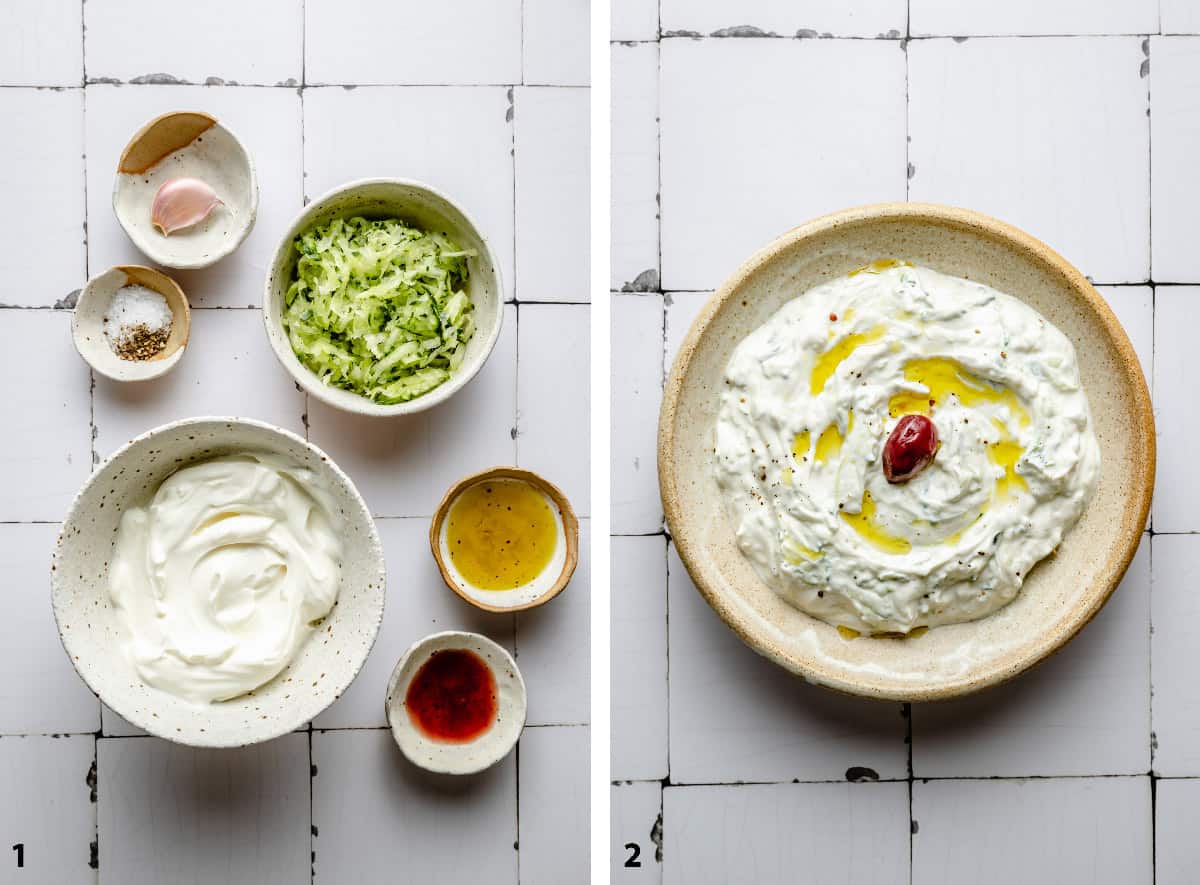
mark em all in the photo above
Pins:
pixel 797 782
pixel 1149 160
pixel 312 825
pixel 859 38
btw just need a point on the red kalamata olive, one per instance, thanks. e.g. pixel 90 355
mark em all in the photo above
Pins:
pixel 910 448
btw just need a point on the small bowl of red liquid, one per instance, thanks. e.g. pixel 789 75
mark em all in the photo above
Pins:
pixel 456 703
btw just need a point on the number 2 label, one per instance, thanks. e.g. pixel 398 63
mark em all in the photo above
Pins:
pixel 635 851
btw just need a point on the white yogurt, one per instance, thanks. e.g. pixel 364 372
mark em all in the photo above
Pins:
pixel 220 580
pixel 811 397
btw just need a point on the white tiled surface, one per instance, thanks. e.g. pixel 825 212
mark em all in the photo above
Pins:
pixel 840 834
pixel 635 852
pixel 47 233
pixel 1094 830
pixel 58 831
pixel 555 811
pixel 634 156
pixel 176 814
pixel 1176 851
pixel 1058 134
pixel 451 106
pixel 1035 156
pixel 553 241
pixel 738 153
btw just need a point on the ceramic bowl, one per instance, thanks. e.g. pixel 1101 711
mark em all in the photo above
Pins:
pixel 458 758
pixel 92 633
pixel 87 323
pixel 419 205
pixel 192 144
pixel 1059 596
pixel 552 580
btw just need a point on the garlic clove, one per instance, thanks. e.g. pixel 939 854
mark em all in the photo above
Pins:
pixel 182 202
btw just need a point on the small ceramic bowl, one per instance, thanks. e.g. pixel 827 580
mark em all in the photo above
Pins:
pixel 424 207
pixel 195 145
pixel 93 634
pixel 492 745
pixel 1059 596
pixel 87 323
pixel 552 579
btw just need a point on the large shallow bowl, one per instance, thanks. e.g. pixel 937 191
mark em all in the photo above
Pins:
pixel 1059 597
pixel 92 633
pixel 419 205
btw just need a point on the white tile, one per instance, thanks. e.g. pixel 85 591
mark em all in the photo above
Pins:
pixel 403 466
pixel 639 658
pixel 1174 142
pixel 552 176
pixel 553 406
pixel 1174 614
pixel 47 810
pixel 1046 149
pixel 554 648
pixel 1094 830
pixel 1176 851
pixel 230 40
pixel 228 370
pixel 1032 17
pixel 771 833
pixel 635 849
pixel 1134 307
pixel 41 43
pixel 115 725
pixel 376 41
pixel 634 20
pixel 378 818
pixel 418 603
pixel 735 716
pixel 463 146
pixel 268 123
pixel 862 18
pixel 40 692
pixel 554 805
pixel 555 43
pixel 43 255
pixel 45 449
pixel 682 309
pixel 637 378
pixel 170 813
pixel 1176 420
pixel 634 149
pixel 1086 711
pixel 1179 16
pixel 738 152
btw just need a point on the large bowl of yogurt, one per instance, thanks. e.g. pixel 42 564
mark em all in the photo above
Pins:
pixel 777 451
pixel 218 582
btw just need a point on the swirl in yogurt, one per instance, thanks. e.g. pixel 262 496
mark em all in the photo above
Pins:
pixel 219 581
pixel 812 396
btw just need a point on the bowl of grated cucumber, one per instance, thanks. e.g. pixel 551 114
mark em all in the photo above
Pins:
pixel 383 298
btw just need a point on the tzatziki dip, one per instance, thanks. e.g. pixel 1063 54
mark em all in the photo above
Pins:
pixel 814 396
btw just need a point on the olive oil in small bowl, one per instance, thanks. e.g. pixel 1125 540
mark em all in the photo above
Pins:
pixel 505 539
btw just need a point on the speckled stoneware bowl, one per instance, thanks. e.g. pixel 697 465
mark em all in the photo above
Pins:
pixel 195 145
pixel 458 758
pixel 419 205
pixel 92 633
pixel 552 580
pixel 87 323
pixel 1060 595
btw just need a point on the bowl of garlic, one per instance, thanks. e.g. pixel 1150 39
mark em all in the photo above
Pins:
pixel 185 192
